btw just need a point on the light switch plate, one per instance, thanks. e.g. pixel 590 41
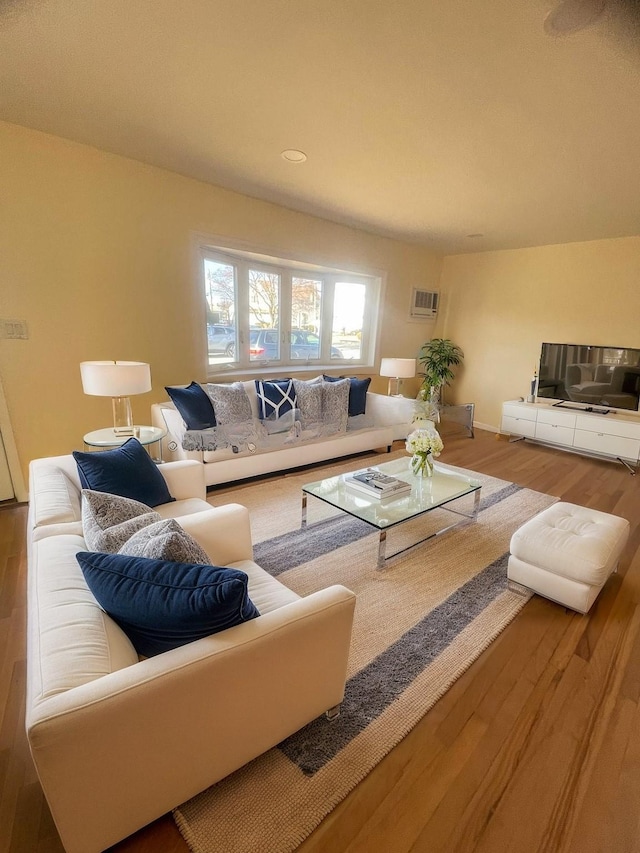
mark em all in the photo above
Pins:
pixel 14 329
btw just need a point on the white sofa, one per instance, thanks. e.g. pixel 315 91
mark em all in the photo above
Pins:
pixel 118 741
pixel 389 419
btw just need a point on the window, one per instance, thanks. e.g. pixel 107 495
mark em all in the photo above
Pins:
pixel 262 311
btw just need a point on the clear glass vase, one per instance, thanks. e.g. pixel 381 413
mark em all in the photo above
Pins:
pixel 422 464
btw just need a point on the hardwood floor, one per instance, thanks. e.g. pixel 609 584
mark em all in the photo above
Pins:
pixel 535 748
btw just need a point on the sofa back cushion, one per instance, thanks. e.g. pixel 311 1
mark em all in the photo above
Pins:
pixel 53 496
pixel 161 605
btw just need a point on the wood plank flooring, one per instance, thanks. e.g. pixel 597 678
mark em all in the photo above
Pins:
pixel 535 749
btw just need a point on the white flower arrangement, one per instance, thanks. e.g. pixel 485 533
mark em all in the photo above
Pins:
pixel 424 441
pixel 423 444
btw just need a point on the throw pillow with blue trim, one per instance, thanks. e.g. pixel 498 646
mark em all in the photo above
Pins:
pixel 128 471
pixel 194 405
pixel 276 403
pixel 161 605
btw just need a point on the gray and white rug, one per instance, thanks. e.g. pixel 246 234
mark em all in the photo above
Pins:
pixel 419 625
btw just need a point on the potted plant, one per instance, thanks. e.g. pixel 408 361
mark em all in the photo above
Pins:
pixel 437 357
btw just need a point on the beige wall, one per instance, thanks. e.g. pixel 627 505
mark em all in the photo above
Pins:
pixel 500 306
pixel 97 255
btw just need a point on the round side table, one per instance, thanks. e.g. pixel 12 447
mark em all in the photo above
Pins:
pixel 146 435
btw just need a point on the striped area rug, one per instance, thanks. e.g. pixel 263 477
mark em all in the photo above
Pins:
pixel 419 625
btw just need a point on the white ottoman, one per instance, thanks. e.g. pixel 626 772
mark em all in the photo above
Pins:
pixel 567 552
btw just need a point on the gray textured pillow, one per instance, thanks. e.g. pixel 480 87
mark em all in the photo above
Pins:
pixel 109 520
pixel 230 402
pixel 165 540
pixel 309 397
pixel 335 405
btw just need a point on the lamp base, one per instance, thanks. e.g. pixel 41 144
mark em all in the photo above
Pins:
pixel 122 416
pixel 397 391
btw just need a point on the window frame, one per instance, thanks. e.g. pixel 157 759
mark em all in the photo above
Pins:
pixel 288 269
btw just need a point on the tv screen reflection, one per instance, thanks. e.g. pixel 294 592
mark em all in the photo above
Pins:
pixel 590 375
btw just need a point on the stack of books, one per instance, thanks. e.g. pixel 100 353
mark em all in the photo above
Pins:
pixel 377 485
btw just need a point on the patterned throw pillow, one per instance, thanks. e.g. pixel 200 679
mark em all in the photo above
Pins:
pixel 309 399
pixel 165 540
pixel 335 405
pixel 108 521
pixel 275 397
pixel 230 402
pixel 357 393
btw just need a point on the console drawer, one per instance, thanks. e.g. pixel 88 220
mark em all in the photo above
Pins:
pixel 608 426
pixel 518 426
pixel 554 433
pixel 608 445
pixel 520 411
pixel 557 418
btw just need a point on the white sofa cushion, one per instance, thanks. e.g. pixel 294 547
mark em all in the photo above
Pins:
pixel 57 499
pixel 72 638
pixel 266 592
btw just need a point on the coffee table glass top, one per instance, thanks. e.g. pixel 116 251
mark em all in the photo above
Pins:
pixel 427 493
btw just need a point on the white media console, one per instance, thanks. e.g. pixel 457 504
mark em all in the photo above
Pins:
pixel 613 436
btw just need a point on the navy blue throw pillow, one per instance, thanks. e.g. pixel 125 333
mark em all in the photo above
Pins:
pixel 275 397
pixel 127 471
pixel 161 605
pixel 357 393
pixel 194 405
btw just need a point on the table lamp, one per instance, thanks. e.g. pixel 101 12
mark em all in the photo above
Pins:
pixel 398 368
pixel 118 380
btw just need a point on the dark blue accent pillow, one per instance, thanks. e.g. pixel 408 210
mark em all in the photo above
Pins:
pixel 127 471
pixel 357 393
pixel 194 405
pixel 275 397
pixel 161 605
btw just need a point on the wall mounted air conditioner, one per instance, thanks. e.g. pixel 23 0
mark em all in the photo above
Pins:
pixel 424 304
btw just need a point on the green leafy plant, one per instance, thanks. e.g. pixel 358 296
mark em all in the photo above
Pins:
pixel 437 357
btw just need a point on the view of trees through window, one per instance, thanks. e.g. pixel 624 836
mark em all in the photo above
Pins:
pixel 263 313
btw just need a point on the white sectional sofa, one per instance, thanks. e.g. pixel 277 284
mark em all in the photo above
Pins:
pixel 387 419
pixel 117 740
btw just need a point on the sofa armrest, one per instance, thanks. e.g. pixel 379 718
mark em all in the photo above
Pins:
pixel 396 412
pixel 116 753
pixel 223 531
pixel 185 479
pixel 167 417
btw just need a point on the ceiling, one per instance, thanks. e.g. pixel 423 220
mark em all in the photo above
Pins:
pixel 422 120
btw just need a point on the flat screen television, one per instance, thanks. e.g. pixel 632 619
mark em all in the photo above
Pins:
pixel 583 376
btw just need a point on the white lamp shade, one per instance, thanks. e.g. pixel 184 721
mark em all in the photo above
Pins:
pixel 400 368
pixel 115 378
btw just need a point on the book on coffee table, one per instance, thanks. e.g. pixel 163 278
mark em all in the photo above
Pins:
pixel 376 484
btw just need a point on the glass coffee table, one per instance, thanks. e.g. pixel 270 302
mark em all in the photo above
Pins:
pixel 445 490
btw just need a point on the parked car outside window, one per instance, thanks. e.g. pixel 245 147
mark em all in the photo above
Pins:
pixel 221 338
pixel 265 344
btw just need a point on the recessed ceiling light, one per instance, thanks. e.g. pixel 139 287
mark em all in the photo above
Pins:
pixel 292 155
